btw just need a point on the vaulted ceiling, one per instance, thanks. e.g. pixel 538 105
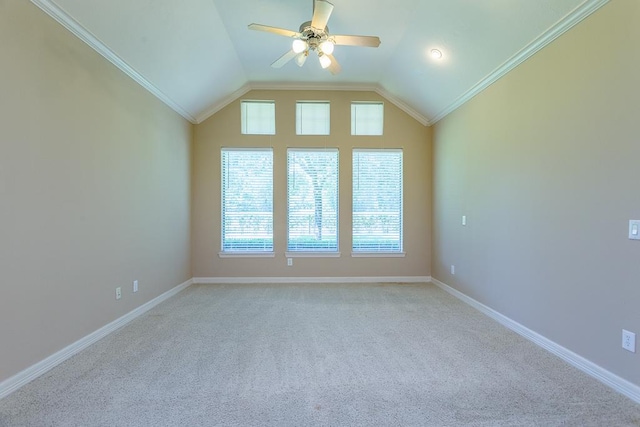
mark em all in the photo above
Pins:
pixel 198 55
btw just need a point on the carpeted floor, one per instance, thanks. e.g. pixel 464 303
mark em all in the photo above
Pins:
pixel 315 354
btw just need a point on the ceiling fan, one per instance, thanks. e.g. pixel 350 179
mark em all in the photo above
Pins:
pixel 314 36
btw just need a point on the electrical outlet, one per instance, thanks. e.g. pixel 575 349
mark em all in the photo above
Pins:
pixel 135 286
pixel 464 220
pixel 629 341
pixel 453 269
pixel 289 262
pixel 118 293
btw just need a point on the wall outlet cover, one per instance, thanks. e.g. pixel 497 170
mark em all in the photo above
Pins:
pixel 634 229
pixel 629 341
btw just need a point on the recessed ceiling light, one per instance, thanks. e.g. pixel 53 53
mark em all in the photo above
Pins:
pixel 436 54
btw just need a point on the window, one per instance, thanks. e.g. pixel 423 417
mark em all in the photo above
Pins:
pixel 258 117
pixel 312 118
pixel 247 200
pixel 377 200
pixel 367 118
pixel 312 199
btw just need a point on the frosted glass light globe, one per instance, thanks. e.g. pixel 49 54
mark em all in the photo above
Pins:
pixel 299 46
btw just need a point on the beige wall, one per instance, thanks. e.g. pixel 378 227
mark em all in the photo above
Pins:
pixel 94 190
pixel 223 130
pixel 544 163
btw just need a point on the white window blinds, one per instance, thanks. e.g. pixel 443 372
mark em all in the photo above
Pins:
pixel 312 200
pixel 247 200
pixel 258 117
pixel 377 200
pixel 367 118
pixel 313 118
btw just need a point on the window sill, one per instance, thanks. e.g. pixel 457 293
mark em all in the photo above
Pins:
pixel 312 254
pixel 378 254
pixel 246 254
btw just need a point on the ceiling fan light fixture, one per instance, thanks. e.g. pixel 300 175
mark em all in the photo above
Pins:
pixel 327 47
pixel 436 54
pixel 299 46
pixel 314 36
pixel 325 61
pixel 301 58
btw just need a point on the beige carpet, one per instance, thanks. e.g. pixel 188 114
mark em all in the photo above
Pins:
pixel 321 354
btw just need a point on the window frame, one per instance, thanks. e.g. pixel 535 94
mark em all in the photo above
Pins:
pixel 223 181
pixel 354 126
pixel 330 252
pixel 244 116
pixel 378 253
pixel 300 122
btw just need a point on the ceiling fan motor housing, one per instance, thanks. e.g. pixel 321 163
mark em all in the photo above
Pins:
pixel 313 36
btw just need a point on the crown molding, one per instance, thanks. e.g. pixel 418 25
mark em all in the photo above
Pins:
pixel 54 11
pixel 312 86
pixel 404 107
pixel 222 103
pixel 555 31
pixel 58 14
pixel 566 23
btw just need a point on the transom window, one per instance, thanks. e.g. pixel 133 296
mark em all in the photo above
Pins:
pixel 258 117
pixel 313 118
pixel 312 200
pixel 367 118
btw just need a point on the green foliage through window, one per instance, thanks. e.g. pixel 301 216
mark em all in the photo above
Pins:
pixel 312 199
pixel 377 200
pixel 247 200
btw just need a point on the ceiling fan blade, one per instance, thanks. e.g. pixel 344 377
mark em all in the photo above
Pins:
pixel 366 41
pixel 321 12
pixel 284 59
pixel 275 30
pixel 334 67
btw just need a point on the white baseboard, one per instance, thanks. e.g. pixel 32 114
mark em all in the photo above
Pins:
pixel 358 279
pixel 617 383
pixel 13 383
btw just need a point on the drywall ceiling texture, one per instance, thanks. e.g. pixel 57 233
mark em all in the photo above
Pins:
pixel 223 130
pixel 544 166
pixel 94 183
pixel 199 55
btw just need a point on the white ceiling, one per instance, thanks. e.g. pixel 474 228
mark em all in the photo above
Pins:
pixel 198 55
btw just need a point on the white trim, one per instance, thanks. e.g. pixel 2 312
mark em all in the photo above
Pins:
pixel 424 120
pixel 57 13
pixel 301 86
pixel 315 279
pixel 610 379
pixel 573 18
pixel 555 31
pixel 246 254
pixel 222 103
pixel 79 31
pixel 13 383
pixel 317 254
pixel 378 254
